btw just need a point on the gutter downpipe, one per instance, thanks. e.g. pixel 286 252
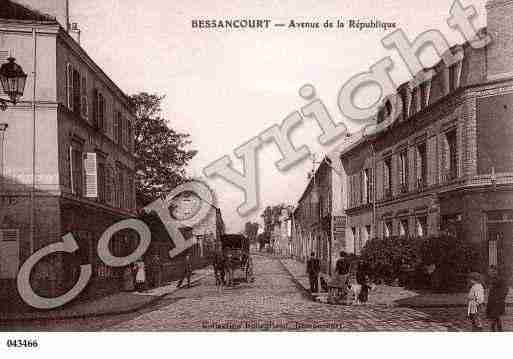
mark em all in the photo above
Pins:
pixel 374 192
pixel 33 189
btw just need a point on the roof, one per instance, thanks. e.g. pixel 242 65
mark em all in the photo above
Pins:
pixel 14 11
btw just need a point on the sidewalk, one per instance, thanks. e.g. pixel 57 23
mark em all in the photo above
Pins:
pixel 115 304
pixel 388 295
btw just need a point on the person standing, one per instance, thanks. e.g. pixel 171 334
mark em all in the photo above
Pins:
pixel 140 277
pixel 342 266
pixel 219 269
pixel 155 272
pixel 362 279
pixel 128 279
pixel 496 306
pixel 313 268
pixel 187 271
pixel 475 301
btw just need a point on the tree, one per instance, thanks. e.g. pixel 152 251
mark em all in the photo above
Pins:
pixel 160 151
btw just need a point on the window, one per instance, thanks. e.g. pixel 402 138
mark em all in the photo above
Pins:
pixel 367 186
pixel 83 98
pixel 492 251
pixel 387 229
pixel 130 135
pixel 77 92
pixel 404 99
pixel 453 81
pixel 453 159
pixel 355 239
pixel 69 86
pixel 421 226
pixel 99 109
pixel 387 180
pixel 118 128
pixel 120 186
pixel 109 185
pixel 424 94
pixel 403 171
pixel 450 156
pixel 414 101
pixel 368 234
pixel 421 166
pixel 403 227
pixel 77 171
pixel 101 183
pixel 131 204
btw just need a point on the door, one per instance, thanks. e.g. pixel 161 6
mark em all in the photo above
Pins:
pixel 9 253
pixel 500 247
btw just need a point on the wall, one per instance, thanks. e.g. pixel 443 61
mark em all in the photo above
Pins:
pixel 495 134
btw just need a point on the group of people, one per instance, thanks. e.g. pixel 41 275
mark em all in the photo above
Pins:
pixel 134 277
pixel 138 276
pixel 340 284
pixel 496 305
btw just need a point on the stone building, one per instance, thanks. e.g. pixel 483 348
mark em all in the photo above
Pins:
pixel 66 152
pixel 446 164
pixel 318 220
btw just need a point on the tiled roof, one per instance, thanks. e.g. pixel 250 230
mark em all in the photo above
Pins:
pixel 14 11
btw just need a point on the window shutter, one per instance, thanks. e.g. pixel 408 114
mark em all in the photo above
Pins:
pixel 9 253
pixel 69 86
pixel 91 175
pixel 4 55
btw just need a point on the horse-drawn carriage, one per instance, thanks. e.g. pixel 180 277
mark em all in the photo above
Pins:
pixel 238 262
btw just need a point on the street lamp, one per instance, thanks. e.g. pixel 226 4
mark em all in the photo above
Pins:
pixel 13 81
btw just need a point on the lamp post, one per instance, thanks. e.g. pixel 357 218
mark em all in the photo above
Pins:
pixel 13 81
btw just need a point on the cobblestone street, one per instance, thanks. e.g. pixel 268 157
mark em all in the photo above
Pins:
pixel 273 302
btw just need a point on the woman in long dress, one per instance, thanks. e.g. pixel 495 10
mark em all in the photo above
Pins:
pixel 140 277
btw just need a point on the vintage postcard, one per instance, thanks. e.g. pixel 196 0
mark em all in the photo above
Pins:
pixel 255 166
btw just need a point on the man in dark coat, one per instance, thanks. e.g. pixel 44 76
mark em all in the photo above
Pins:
pixel 343 265
pixel 313 267
pixel 496 299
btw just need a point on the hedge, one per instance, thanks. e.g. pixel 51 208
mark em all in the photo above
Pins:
pixel 405 261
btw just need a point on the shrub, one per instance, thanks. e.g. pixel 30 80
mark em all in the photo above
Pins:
pixel 388 258
pixel 404 259
pixel 453 258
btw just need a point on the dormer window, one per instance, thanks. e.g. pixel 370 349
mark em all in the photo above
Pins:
pixel 404 99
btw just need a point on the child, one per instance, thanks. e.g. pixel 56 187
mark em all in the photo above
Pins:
pixel 475 301
pixel 140 277
pixel 496 299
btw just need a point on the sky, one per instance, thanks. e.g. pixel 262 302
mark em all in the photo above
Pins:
pixel 225 87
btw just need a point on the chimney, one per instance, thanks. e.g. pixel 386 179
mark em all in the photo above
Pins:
pixel 59 9
pixel 74 31
pixel 500 28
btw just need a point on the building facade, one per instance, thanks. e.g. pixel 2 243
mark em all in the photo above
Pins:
pixel 445 165
pixel 67 155
pixel 318 220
